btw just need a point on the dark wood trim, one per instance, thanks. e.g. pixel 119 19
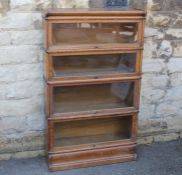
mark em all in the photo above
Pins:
pixel 94 80
pixel 134 126
pixel 89 49
pixel 91 163
pixel 94 12
pixel 70 116
pixel 85 147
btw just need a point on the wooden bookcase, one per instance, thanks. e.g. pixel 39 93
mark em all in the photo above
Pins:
pixel 92 71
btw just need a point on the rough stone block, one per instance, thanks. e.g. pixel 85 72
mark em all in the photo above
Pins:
pixel 152 66
pixel 22 142
pixel 18 90
pixel 160 81
pixel 178 21
pixel 149 48
pixel 13 73
pixel 7 74
pixel 159 20
pixel 22 155
pixel 5 38
pixel 19 54
pixel 71 3
pixel 25 5
pixel 12 126
pixel 4 7
pixel 175 65
pixel 22 107
pixel 164 49
pixel 32 37
pixel 146 81
pixel 174 93
pixel 35 141
pixel 21 21
pixel 3 91
pixel 155 81
pixel 139 4
pixel 5 156
pixel 176 79
pixel 169 5
pixel 145 140
pixel 8 142
pixel 174 33
pixel 166 137
pixel 153 6
pixel 36 121
pixel 152 95
pixel 97 4
pixel 174 123
pixel 21 5
pixel 177 49
pixel 30 71
pixel 28 154
pixel 147 111
pixel 151 126
pixel 166 109
pixel 155 33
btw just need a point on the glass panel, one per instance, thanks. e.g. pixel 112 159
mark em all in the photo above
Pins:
pixel 93 97
pixel 94 33
pixel 92 131
pixel 65 66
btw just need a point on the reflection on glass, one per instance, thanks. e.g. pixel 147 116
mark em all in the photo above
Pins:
pixel 93 97
pixel 93 65
pixel 92 131
pixel 94 33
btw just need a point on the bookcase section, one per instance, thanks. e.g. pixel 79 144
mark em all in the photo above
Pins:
pixel 118 64
pixel 92 97
pixel 94 33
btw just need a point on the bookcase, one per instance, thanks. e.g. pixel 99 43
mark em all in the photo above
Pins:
pixel 93 61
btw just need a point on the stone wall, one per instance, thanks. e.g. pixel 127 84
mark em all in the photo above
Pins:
pixel 22 120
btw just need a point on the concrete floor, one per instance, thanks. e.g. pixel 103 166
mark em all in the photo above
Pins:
pixel 156 159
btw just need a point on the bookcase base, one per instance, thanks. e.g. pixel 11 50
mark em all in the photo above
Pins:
pixel 89 158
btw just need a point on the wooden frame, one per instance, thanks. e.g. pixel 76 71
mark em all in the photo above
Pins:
pixel 101 152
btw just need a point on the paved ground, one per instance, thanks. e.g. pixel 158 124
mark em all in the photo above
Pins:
pixel 156 159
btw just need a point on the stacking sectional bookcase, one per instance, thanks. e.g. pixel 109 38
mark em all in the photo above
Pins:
pixel 93 64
